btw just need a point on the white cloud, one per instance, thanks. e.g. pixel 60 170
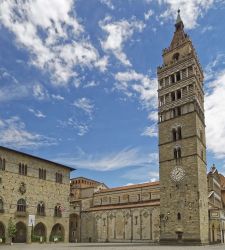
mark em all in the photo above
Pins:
pixel 191 10
pixel 133 83
pixel 206 28
pixel 108 3
pixel 78 122
pixel 148 14
pixel 85 104
pixel 211 70
pixel 117 34
pixel 40 92
pixel 151 131
pixel 50 32
pixel 37 113
pixel 81 128
pixel 215 115
pixel 14 134
pixel 128 157
pixel 10 88
pixel 57 97
pixel 91 84
pixel 12 92
pixel 102 63
pixel 143 174
pixel 153 115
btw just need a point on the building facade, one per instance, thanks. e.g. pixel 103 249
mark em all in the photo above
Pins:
pixel 123 214
pixel 81 195
pixel 34 193
pixel 216 206
pixel 132 213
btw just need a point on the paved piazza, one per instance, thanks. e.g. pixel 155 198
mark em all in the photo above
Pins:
pixel 104 246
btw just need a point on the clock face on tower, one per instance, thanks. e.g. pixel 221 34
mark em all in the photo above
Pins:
pixel 177 174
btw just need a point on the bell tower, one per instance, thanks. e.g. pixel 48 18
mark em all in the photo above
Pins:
pixel 182 144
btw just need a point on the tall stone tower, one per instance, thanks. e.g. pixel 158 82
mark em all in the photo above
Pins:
pixel 182 145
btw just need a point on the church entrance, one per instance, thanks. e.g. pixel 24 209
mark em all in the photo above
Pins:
pixel 21 233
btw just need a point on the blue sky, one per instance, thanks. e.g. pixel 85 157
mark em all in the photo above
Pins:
pixel 78 81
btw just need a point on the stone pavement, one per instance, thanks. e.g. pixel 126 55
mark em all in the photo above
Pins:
pixel 106 246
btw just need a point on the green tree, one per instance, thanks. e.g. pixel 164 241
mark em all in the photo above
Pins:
pixel 11 229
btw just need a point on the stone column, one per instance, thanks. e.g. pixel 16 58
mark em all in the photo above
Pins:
pixel 66 228
pixel 29 232
pixel 140 225
pixel 107 229
pixel 150 226
pixel 132 223
pixel 48 233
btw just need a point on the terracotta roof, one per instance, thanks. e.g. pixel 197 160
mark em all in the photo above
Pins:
pixel 84 178
pixel 110 207
pixel 156 183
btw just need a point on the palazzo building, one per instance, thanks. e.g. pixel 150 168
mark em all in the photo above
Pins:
pixel 34 193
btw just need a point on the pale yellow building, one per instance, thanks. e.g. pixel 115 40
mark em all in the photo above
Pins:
pixel 33 189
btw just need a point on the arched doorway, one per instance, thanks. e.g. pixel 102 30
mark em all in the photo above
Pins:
pixel 57 233
pixel 21 233
pixel 39 231
pixel 2 232
pixel 74 228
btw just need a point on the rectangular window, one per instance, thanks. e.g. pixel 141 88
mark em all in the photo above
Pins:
pixel 167 81
pixel 22 169
pixel 178 76
pixel 58 177
pixel 2 164
pixel 42 173
pixel 173 96
pixel 179 94
pixel 178 111
pixel 172 79
pixel 161 101
pixel 139 197
pixel 136 220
